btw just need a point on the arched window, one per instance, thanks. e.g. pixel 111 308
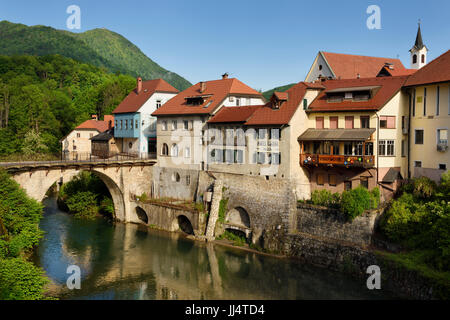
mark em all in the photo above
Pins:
pixel 415 58
pixel 174 150
pixel 165 150
pixel 423 58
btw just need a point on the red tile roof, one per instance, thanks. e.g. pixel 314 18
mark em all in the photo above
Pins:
pixel 388 87
pixel 398 72
pixel 281 95
pixel 216 91
pixel 437 70
pixel 134 101
pixel 234 114
pixel 348 66
pixel 266 115
pixel 98 125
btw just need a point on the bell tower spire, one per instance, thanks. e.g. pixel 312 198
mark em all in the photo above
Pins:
pixel 418 51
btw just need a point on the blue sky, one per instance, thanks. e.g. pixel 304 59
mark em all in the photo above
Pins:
pixel 263 43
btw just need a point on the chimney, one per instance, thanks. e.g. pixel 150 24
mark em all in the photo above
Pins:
pixel 225 76
pixel 202 86
pixel 139 85
pixel 94 117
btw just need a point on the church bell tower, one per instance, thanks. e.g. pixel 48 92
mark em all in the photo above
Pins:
pixel 418 52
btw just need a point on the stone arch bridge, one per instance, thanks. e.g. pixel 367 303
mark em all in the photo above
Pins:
pixel 122 177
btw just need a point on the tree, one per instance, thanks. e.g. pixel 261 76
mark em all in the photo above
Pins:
pixel 33 143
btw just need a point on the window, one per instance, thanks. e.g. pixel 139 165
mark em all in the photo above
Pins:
pixel 78 135
pixel 365 122
pixel 121 125
pixel 126 124
pixel 369 149
pixel 137 124
pixel 418 136
pixel 238 102
pixel 437 100
pixel 359 149
pixel 188 180
pixel 305 104
pixel 423 58
pixel 387 122
pixel 414 58
pixel 275 158
pixel 320 67
pixel 414 104
pixel 320 179
pixel 229 156
pixel 186 125
pixel 249 101
pixel 386 148
pixel 364 182
pixel 334 122
pixel 238 156
pixel 347 185
pixel 424 101
pixel 158 104
pixel 174 125
pixel 262 134
pixel 164 126
pixel 349 122
pixel 348 148
pixel 332 180
pixel 418 164
pixel 319 122
pixel 115 123
pixel 174 150
pixel 176 177
pixel 274 134
pixel 187 152
pixel 131 123
pixel 261 157
pixel 442 136
pixel 442 166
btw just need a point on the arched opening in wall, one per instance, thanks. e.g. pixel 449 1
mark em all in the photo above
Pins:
pixel 414 58
pixel 142 215
pixel 238 217
pixel 185 225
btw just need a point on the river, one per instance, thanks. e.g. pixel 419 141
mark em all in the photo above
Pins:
pixel 128 261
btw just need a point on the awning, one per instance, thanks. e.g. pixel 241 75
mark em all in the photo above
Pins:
pixel 336 135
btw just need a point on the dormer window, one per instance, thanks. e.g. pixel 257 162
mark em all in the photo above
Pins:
pixel 158 104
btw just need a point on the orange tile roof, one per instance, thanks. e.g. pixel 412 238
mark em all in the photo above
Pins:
pixel 348 66
pixel 388 87
pixel 233 114
pixel 281 95
pixel 92 124
pixel 266 115
pixel 398 72
pixel 134 101
pixel 437 70
pixel 216 91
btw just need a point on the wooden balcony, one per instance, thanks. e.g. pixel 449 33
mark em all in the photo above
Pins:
pixel 309 160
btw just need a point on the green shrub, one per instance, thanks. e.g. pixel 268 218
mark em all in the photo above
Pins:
pixel 424 187
pixel 237 239
pixel 375 193
pixel 21 280
pixel 107 207
pixel 222 209
pixel 326 198
pixel 83 205
pixel 355 202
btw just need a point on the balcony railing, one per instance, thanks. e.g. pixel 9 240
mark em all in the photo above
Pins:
pixel 336 160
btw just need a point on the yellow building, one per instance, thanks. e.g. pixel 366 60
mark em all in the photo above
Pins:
pixel 429 91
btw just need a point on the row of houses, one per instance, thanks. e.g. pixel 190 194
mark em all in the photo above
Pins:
pixel 354 121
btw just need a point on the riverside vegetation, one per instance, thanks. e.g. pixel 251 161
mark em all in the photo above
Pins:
pixel 20 279
pixel 86 196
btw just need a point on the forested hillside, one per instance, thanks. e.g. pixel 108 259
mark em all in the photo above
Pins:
pixel 98 47
pixel 44 98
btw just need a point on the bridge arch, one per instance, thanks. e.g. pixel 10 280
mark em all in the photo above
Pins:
pixel 36 184
pixel 141 214
pixel 184 224
pixel 239 217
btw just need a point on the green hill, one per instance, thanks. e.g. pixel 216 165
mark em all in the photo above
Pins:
pixel 99 47
pixel 267 94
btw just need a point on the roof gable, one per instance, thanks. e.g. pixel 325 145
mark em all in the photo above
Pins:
pixel 348 66
pixel 134 100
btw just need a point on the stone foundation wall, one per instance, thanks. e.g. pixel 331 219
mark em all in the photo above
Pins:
pixel 325 222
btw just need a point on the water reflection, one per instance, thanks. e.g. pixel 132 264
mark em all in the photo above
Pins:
pixel 132 262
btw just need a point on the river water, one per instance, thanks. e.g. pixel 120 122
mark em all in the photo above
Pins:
pixel 127 261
